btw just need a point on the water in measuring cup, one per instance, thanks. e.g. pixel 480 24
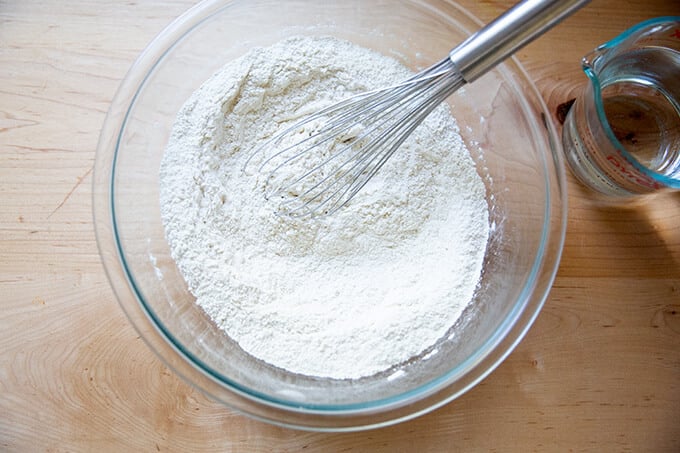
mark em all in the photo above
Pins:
pixel 641 100
pixel 642 113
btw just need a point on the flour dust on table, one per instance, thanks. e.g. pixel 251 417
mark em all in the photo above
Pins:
pixel 341 296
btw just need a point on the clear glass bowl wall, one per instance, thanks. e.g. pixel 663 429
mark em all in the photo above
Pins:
pixel 502 120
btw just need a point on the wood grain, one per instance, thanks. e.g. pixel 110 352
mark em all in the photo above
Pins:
pixel 599 370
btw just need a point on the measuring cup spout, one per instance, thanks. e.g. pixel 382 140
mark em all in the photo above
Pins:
pixel 590 67
pixel 589 59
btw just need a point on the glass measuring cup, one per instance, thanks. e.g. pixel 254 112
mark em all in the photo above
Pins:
pixel 622 135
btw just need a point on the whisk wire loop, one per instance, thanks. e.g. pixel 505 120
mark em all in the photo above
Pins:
pixel 384 119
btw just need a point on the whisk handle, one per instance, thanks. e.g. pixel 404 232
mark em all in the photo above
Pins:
pixel 502 37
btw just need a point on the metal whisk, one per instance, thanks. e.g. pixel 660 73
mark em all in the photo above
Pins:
pixel 351 140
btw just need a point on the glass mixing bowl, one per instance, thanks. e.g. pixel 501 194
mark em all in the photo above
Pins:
pixel 504 123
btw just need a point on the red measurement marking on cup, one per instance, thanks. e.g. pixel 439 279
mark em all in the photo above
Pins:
pixel 623 170
pixel 676 33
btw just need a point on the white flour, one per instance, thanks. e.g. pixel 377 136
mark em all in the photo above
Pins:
pixel 343 296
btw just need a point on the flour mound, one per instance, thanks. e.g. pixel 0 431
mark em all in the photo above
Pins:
pixel 343 296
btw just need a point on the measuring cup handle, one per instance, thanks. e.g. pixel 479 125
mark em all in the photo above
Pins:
pixel 502 37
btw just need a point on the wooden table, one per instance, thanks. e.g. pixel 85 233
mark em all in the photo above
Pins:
pixel 598 371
